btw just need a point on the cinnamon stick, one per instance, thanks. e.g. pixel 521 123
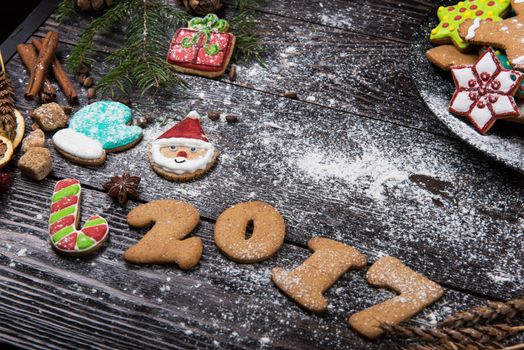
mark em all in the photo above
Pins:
pixel 42 63
pixel 60 75
pixel 29 56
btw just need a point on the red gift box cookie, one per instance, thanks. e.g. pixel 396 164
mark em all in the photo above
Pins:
pixel 204 48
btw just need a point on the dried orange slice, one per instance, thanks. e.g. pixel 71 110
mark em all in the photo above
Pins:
pixel 6 151
pixel 20 128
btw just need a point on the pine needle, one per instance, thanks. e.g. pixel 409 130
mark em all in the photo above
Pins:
pixel 248 45
pixel 252 4
pixel 67 8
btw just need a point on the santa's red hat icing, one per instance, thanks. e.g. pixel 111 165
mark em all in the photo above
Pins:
pixel 188 128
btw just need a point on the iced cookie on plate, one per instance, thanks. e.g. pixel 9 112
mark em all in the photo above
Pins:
pixel 95 130
pixel 183 152
pixel 451 18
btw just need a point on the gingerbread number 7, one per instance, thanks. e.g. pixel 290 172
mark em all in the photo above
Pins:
pixel 416 292
pixel 63 221
pixel 163 244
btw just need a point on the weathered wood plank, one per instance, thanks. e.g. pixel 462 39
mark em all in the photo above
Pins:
pixel 326 66
pixel 388 19
pixel 384 188
pixel 52 301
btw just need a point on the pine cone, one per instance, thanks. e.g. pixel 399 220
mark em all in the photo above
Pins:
pixel 201 7
pixel 7 107
pixel 93 5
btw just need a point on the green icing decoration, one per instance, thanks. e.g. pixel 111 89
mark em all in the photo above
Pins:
pixel 95 222
pixel 205 26
pixel 451 17
pixel 61 214
pixel 83 241
pixel 65 192
pixel 61 234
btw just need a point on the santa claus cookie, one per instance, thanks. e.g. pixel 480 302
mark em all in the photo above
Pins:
pixel 204 48
pixel 183 152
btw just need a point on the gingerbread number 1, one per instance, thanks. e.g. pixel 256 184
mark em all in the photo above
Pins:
pixel 164 243
pixel 306 283
pixel 416 292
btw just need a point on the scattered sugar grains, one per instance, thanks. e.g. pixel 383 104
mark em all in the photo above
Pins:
pixel 22 252
pixel 264 340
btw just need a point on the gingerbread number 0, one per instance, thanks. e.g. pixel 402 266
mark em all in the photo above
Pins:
pixel 164 243
pixel 269 230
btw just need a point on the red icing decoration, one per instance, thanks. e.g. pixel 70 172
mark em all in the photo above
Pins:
pixel 445 25
pixel 457 18
pixel 473 7
pixel 64 203
pixel 60 224
pixel 451 8
pixel 479 13
pixel 491 3
pixel 195 57
pixel 484 76
pixel 95 232
pixel 188 128
pixel 462 9
pixel 65 183
pixel 495 84
pixel 68 242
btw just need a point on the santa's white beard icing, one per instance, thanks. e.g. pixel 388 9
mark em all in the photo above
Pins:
pixel 182 165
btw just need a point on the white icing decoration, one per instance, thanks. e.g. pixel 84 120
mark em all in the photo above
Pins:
pixel 518 1
pixel 463 76
pixel 473 28
pixel 486 64
pixel 189 166
pixel 78 145
pixel 481 116
pixel 518 61
pixel 503 105
pixel 462 103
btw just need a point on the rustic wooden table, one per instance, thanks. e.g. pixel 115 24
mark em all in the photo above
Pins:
pixel 359 158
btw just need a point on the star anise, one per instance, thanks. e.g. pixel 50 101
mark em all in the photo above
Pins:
pixel 120 188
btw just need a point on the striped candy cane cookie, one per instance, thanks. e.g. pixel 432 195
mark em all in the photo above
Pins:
pixel 65 213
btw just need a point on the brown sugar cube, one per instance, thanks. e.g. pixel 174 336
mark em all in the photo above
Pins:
pixel 50 116
pixel 36 163
pixel 35 139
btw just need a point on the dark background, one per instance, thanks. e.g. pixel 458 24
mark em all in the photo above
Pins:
pixel 11 16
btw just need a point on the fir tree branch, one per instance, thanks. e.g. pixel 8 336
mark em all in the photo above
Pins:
pixel 248 45
pixel 67 8
pixel 253 4
pixel 84 49
pixel 141 62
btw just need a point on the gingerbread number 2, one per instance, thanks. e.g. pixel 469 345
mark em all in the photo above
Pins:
pixel 416 292
pixel 164 243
